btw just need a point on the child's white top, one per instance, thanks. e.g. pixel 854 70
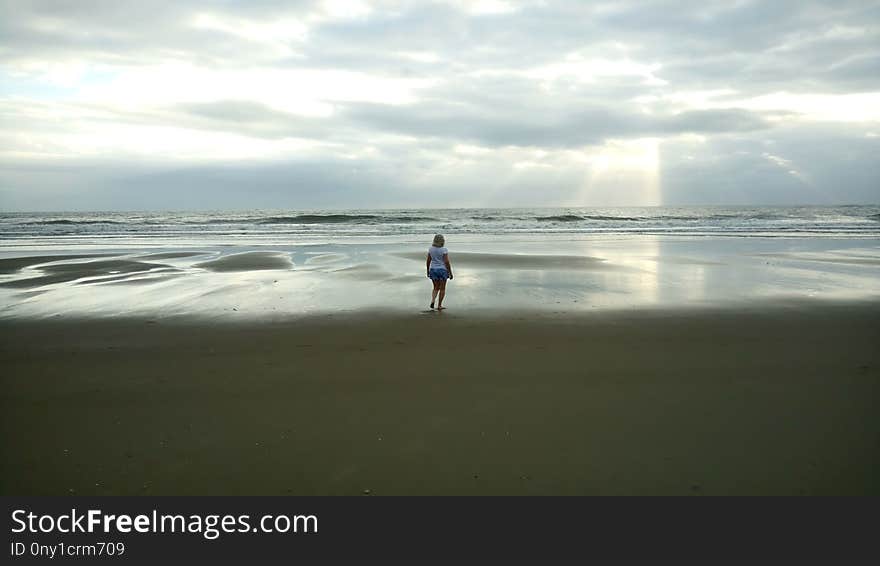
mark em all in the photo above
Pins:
pixel 437 256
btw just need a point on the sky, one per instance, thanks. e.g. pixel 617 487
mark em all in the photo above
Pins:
pixel 264 104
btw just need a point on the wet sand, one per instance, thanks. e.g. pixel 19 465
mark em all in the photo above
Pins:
pixel 779 399
pixel 581 276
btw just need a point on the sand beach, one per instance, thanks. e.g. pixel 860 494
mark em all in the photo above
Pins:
pixel 776 400
pixel 565 364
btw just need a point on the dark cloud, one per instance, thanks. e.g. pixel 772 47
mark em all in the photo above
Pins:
pixel 129 32
pixel 542 126
pixel 801 164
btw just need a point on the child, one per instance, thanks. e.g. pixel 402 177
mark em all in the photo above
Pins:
pixel 439 269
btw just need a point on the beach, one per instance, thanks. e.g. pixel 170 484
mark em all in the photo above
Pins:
pixel 216 259
pixel 644 351
pixel 770 400
pixel 524 273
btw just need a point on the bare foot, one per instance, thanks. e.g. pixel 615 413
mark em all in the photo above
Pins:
pixel 441 308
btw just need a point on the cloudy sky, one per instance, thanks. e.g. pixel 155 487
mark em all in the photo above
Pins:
pixel 134 104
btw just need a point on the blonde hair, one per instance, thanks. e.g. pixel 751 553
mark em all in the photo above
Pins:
pixel 439 241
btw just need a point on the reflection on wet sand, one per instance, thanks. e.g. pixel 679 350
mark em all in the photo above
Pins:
pixel 59 272
pixel 520 261
pixel 248 261
pixel 557 276
pixel 12 265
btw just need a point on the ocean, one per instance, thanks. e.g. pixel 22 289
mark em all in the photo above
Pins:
pixel 258 227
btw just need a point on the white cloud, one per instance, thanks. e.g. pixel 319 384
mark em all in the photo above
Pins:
pixel 276 34
pixel 567 101
pixel 482 7
pixel 854 107
pixel 306 92
pixel 576 68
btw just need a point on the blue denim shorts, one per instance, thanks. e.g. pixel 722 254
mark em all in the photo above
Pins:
pixel 438 274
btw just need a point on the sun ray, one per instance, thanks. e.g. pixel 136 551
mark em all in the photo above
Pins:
pixel 624 173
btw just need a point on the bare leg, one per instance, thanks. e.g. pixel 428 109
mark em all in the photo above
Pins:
pixel 442 289
pixel 434 292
